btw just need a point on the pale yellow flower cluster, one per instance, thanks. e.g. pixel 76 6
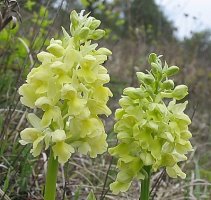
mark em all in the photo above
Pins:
pixel 68 88
pixel 151 127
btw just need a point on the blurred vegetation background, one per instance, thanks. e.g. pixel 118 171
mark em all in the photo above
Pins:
pixel 134 29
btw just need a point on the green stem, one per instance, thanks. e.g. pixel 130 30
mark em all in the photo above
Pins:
pixel 145 184
pixel 51 176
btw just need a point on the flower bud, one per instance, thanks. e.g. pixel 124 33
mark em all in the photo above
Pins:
pixel 83 34
pixel 55 41
pixel 152 58
pixel 172 70
pixel 43 56
pixel 168 85
pixel 180 92
pixel 74 19
pixel 95 24
pixel 98 34
pixel 156 69
pixel 134 93
pixel 104 51
pixel 56 50
pixel 146 78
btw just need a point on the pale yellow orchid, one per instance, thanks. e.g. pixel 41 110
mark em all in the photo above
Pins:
pixel 68 89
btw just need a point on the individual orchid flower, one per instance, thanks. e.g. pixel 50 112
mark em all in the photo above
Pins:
pixel 151 127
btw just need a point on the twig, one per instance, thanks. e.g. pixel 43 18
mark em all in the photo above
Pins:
pixel 157 183
pixel 103 194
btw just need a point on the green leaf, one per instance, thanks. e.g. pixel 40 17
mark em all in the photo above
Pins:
pixel 29 4
pixel 43 11
pixel 1 122
pixel 7 180
pixel 85 3
pixel 91 196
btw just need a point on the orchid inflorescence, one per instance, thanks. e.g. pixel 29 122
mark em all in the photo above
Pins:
pixel 68 89
pixel 151 126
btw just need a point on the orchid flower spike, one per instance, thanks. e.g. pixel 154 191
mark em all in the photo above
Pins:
pixel 151 126
pixel 68 91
